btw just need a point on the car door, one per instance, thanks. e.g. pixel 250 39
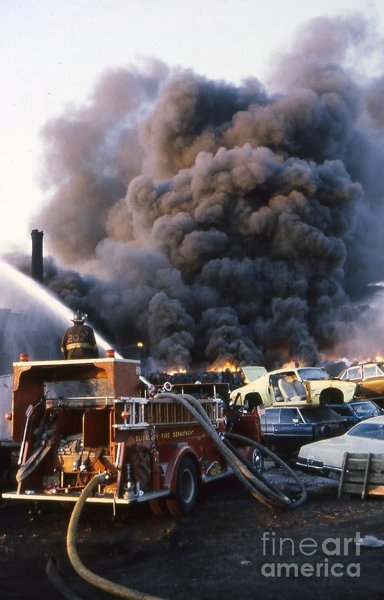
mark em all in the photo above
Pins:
pixel 292 428
pixel 268 421
pixel 373 381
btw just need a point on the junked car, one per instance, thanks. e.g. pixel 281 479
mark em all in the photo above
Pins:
pixel 357 410
pixel 326 456
pixel 369 377
pixel 285 429
pixel 296 385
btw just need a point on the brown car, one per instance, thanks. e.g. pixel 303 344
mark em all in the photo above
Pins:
pixel 369 377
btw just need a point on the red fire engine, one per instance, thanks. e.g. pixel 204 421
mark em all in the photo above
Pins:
pixel 75 419
pixel 95 430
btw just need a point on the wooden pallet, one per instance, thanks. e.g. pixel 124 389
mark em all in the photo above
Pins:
pixel 362 474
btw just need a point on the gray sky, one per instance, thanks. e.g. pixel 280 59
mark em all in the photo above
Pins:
pixel 51 55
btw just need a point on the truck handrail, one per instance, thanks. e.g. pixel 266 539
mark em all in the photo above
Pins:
pixel 157 410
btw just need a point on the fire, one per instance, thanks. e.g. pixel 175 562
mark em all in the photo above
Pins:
pixel 291 364
pixel 218 366
pixel 175 370
pixel 223 366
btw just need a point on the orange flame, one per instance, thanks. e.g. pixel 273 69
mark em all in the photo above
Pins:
pixel 225 365
pixel 291 364
pixel 175 370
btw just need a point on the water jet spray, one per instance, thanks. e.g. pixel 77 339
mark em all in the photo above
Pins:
pixel 32 320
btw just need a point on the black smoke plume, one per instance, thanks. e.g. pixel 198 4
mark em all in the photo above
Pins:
pixel 219 222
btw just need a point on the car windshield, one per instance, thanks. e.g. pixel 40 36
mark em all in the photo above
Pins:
pixel 366 408
pixel 319 415
pixel 312 373
pixel 353 373
pixel 374 431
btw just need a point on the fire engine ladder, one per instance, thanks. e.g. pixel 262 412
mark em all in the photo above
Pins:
pixel 362 474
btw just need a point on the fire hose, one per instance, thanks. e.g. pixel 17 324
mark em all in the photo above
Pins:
pixel 259 487
pixel 103 584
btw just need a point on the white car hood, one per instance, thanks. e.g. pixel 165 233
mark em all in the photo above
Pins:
pixel 331 451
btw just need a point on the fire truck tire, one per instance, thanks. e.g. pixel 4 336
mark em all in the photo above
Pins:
pixel 187 488
pixel 254 458
pixel 257 460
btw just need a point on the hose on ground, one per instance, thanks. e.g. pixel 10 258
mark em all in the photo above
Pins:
pixel 259 487
pixel 54 577
pixel 254 482
pixel 95 580
pixel 302 495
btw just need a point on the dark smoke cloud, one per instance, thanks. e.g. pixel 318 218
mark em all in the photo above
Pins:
pixel 219 222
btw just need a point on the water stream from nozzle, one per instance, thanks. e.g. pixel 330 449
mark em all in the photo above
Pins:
pixel 32 320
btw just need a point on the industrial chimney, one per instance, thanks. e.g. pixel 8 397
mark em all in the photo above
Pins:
pixel 37 271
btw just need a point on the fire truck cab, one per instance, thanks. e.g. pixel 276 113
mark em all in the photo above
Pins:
pixel 74 419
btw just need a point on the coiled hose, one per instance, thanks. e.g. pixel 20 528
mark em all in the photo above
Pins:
pixel 257 484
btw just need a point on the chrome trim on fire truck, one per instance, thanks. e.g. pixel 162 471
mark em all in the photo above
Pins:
pixel 31 497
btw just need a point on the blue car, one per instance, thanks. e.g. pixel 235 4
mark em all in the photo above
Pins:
pixel 357 410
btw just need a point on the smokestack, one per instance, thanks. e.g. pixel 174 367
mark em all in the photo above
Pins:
pixel 37 255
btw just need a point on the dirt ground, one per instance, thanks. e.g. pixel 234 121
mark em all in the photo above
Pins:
pixel 230 547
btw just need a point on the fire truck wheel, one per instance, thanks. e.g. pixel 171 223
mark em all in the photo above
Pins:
pixel 257 460
pixel 187 487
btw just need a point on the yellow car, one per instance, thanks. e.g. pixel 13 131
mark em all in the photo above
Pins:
pixel 369 377
pixel 297 385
